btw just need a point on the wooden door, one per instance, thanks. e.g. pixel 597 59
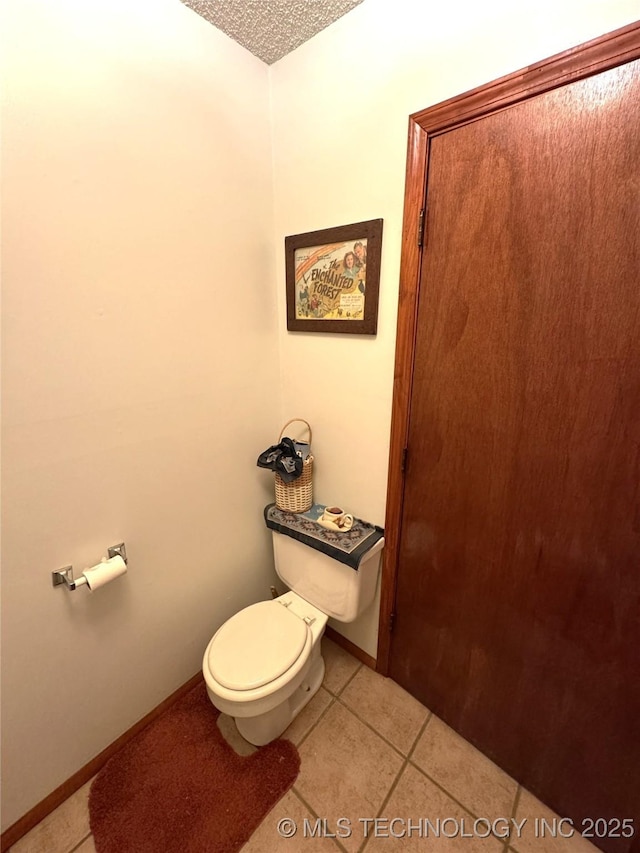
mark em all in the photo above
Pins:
pixel 517 615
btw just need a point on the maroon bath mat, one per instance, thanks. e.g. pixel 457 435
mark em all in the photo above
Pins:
pixel 178 787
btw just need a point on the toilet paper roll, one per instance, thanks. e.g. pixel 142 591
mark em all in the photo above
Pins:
pixel 104 572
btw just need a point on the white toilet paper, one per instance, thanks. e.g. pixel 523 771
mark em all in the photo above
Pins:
pixel 104 572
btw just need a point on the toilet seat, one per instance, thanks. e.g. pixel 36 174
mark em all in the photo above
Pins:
pixel 256 646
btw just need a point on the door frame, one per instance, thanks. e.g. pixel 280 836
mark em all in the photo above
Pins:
pixel 592 57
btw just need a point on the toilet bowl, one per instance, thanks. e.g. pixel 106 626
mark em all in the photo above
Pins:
pixel 264 664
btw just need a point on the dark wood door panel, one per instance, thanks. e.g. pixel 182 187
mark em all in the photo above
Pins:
pixel 517 601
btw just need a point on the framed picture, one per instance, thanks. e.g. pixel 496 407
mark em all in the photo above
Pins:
pixel 333 278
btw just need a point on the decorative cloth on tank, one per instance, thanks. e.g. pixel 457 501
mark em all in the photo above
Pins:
pixel 348 546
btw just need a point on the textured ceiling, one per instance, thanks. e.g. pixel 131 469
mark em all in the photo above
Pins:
pixel 271 28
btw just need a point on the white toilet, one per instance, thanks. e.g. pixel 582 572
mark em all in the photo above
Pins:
pixel 264 664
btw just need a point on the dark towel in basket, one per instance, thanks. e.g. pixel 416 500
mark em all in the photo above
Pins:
pixel 283 459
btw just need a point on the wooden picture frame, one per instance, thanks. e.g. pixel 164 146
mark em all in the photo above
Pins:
pixel 333 279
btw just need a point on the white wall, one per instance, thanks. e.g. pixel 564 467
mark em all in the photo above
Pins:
pixel 140 364
pixel 340 114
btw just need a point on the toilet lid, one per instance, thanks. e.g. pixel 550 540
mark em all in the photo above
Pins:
pixel 256 646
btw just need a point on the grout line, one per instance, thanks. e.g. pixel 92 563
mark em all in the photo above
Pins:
pixel 304 802
pixel 516 801
pixel 339 845
pixel 364 844
pixel 514 811
pixel 403 767
pixel 371 728
pixel 314 725
pixel 406 760
pixel 366 839
pixel 336 698
pixel 349 680
pixel 80 843
pixel 315 814
pixel 394 785
pixel 411 760
pixel 333 696
pixel 445 791
pixel 420 733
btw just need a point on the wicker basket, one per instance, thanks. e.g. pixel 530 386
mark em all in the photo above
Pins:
pixel 298 495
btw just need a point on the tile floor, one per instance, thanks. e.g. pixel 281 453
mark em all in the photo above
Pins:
pixel 376 764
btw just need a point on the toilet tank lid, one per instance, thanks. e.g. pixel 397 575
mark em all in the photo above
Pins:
pixel 348 547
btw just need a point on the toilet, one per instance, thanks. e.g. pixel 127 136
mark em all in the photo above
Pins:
pixel 264 664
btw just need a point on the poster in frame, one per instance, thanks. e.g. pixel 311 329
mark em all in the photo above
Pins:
pixel 333 279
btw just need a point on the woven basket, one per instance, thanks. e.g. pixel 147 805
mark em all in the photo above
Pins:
pixel 298 495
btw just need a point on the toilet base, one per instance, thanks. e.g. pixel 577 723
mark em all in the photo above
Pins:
pixel 264 728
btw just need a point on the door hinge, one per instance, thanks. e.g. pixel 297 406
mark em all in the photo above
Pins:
pixel 392 620
pixel 421 219
pixel 403 463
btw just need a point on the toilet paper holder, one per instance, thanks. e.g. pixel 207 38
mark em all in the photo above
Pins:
pixel 65 576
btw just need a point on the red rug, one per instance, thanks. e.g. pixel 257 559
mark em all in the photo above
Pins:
pixel 178 787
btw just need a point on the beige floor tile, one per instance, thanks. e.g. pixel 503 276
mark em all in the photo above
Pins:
pixel 301 825
pixel 347 770
pixel 60 831
pixel 403 826
pixel 537 838
pixel 309 715
pixel 87 846
pixel 468 775
pixel 382 703
pixel 339 666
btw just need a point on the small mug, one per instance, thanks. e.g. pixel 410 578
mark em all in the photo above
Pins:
pixel 337 515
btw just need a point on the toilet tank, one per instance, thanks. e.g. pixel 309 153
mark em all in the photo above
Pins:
pixel 336 589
